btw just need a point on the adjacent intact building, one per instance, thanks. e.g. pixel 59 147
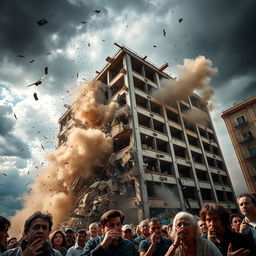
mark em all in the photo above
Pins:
pixel 163 162
pixel 241 124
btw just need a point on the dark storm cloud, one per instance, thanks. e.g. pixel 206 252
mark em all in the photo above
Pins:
pixel 10 145
pixel 223 31
pixel 12 187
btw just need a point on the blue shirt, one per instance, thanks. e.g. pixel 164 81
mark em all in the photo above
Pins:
pixel 160 249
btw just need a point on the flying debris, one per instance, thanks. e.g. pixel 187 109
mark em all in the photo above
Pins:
pixel 42 146
pixel 30 190
pixel 97 11
pixel 48 53
pixel 27 184
pixel 77 74
pixel 89 44
pixel 15 116
pixel 154 46
pixel 46 70
pixel 4 174
pixel 103 40
pixel 35 96
pixel 32 61
pixel 21 56
pixel 180 20
pixel 36 83
pixel 42 22
pixel 83 22
pixel 164 32
pixel 45 137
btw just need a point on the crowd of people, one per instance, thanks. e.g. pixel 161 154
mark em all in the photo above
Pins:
pixel 213 233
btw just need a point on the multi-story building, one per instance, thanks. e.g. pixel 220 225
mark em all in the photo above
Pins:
pixel 241 125
pixel 166 163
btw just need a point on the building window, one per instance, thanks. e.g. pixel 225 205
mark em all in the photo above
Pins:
pixel 247 135
pixel 252 152
pixel 241 120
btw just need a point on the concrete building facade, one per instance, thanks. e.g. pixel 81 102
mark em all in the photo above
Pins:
pixel 166 163
pixel 241 125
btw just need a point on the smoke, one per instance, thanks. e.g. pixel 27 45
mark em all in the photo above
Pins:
pixel 196 116
pixel 84 150
pixel 193 75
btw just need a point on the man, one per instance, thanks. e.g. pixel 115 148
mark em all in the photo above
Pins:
pixel 203 228
pixel 78 248
pixel 93 230
pixel 227 241
pixel 100 229
pixel 247 205
pixel 4 227
pixel 127 232
pixel 111 243
pixel 156 245
pixel 144 229
pixel 36 233
pixel 70 237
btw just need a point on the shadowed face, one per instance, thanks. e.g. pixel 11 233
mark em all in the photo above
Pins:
pixel 214 224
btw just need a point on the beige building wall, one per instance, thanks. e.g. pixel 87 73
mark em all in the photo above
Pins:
pixel 241 125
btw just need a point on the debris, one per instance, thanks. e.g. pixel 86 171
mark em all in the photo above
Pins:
pixel 42 146
pixel 46 70
pixel 32 61
pixel 35 83
pixel 154 46
pixel 164 32
pixel 15 116
pixel 45 137
pixel 48 53
pixel 89 44
pixel 97 11
pixel 42 22
pixel 77 74
pixel 180 20
pixel 35 96
pixel 4 174
pixel 27 184
pixel 21 56
pixel 83 22
pixel 30 190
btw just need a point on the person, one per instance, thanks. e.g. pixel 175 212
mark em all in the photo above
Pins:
pixel 127 232
pixel 12 243
pixel 4 227
pixel 58 242
pixel 169 229
pixel 111 243
pixel 203 228
pixel 235 221
pixel 36 233
pixel 100 229
pixel 187 240
pixel 144 229
pixel 219 232
pixel 156 245
pixel 70 237
pixel 137 231
pixel 78 248
pixel 247 206
pixel 93 230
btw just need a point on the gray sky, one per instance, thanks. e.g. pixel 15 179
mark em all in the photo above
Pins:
pixel 76 39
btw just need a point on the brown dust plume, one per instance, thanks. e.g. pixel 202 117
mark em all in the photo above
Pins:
pixel 83 150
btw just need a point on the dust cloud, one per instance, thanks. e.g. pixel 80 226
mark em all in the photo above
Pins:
pixel 194 75
pixel 83 150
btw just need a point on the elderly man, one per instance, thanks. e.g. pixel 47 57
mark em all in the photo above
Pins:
pixel 4 226
pixel 111 243
pixel 78 248
pixel 156 245
pixel 219 232
pixel 247 205
pixel 144 229
pixel 36 231
pixel 93 230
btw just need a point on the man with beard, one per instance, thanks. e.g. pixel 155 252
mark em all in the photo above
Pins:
pixel 156 245
pixel 111 243
pixel 219 232
pixel 36 233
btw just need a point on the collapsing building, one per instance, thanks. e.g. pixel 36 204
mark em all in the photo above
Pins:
pixel 161 162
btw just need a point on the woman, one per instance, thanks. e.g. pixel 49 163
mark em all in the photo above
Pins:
pixel 58 242
pixel 235 220
pixel 186 238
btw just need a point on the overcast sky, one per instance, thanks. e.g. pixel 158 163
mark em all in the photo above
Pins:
pixel 76 40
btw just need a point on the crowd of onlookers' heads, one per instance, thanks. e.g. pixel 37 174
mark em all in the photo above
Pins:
pixel 213 233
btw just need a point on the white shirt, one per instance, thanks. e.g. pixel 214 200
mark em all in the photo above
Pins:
pixel 75 250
